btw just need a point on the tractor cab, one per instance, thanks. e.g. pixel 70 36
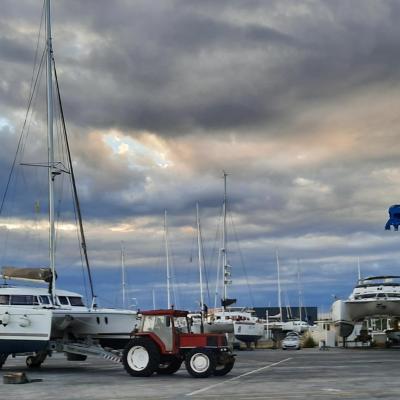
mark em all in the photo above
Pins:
pixel 165 325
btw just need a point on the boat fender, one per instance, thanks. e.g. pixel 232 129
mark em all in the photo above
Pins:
pixel 24 321
pixel 5 319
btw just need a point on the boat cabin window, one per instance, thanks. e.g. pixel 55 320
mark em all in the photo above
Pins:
pixel 63 300
pixel 368 296
pixel 4 299
pixel 76 301
pixel 44 299
pixel 24 300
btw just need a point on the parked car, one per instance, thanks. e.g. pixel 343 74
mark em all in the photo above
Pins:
pixel 291 341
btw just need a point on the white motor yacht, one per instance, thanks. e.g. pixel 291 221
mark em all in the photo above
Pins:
pixel 376 296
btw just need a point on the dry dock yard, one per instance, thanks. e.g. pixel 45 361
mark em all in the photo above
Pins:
pixel 258 374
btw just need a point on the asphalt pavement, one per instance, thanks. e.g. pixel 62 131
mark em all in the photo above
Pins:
pixel 258 374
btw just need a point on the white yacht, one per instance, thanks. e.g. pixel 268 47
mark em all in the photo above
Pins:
pixel 43 318
pixel 240 321
pixel 298 326
pixel 376 296
pixel 111 327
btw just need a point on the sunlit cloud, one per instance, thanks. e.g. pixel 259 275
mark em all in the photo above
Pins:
pixel 138 154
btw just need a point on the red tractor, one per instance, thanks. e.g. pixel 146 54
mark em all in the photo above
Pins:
pixel 164 340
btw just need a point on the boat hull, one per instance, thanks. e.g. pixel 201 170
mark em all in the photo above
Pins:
pixel 219 327
pixel 346 313
pixel 112 328
pixel 360 309
pixel 248 332
pixel 344 325
pixel 24 330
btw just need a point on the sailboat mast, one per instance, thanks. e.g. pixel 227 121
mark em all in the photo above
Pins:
pixel 50 140
pixel 154 299
pixel 123 273
pixel 279 285
pixel 200 259
pixel 226 272
pixel 299 290
pixel 167 258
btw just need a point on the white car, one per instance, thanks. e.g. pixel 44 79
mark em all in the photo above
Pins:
pixel 291 341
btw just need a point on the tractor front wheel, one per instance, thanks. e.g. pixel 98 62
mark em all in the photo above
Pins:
pixel 200 363
pixel 223 369
pixel 141 357
pixel 169 367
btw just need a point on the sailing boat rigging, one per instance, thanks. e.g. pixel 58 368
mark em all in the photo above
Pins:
pixel 223 257
pixel 239 321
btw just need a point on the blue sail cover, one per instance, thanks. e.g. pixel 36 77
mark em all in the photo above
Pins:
pixel 394 217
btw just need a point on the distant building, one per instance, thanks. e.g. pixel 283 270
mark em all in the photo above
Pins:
pixel 308 314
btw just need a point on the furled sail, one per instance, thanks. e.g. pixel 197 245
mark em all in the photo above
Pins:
pixel 227 302
pixel 31 274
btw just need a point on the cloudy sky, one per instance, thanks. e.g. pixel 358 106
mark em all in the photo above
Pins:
pixel 297 100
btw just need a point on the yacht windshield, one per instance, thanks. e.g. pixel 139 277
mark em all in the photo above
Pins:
pixel 63 300
pixel 44 299
pixel 24 300
pixel 76 301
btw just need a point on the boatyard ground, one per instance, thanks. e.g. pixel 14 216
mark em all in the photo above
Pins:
pixel 259 374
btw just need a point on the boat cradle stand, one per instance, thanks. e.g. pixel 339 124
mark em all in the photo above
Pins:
pixel 86 349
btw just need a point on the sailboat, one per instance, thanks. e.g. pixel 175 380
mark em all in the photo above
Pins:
pixel 296 324
pixel 39 319
pixel 239 321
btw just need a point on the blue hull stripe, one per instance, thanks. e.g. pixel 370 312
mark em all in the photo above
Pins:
pixel 10 346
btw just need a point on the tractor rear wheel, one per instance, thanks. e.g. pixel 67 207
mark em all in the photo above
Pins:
pixel 141 357
pixel 200 362
pixel 223 369
pixel 169 367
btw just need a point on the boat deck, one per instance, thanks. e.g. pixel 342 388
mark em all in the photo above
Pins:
pixel 259 374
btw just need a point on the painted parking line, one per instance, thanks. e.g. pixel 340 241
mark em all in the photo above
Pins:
pixel 237 377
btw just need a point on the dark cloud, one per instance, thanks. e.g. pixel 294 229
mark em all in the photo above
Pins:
pixel 297 100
